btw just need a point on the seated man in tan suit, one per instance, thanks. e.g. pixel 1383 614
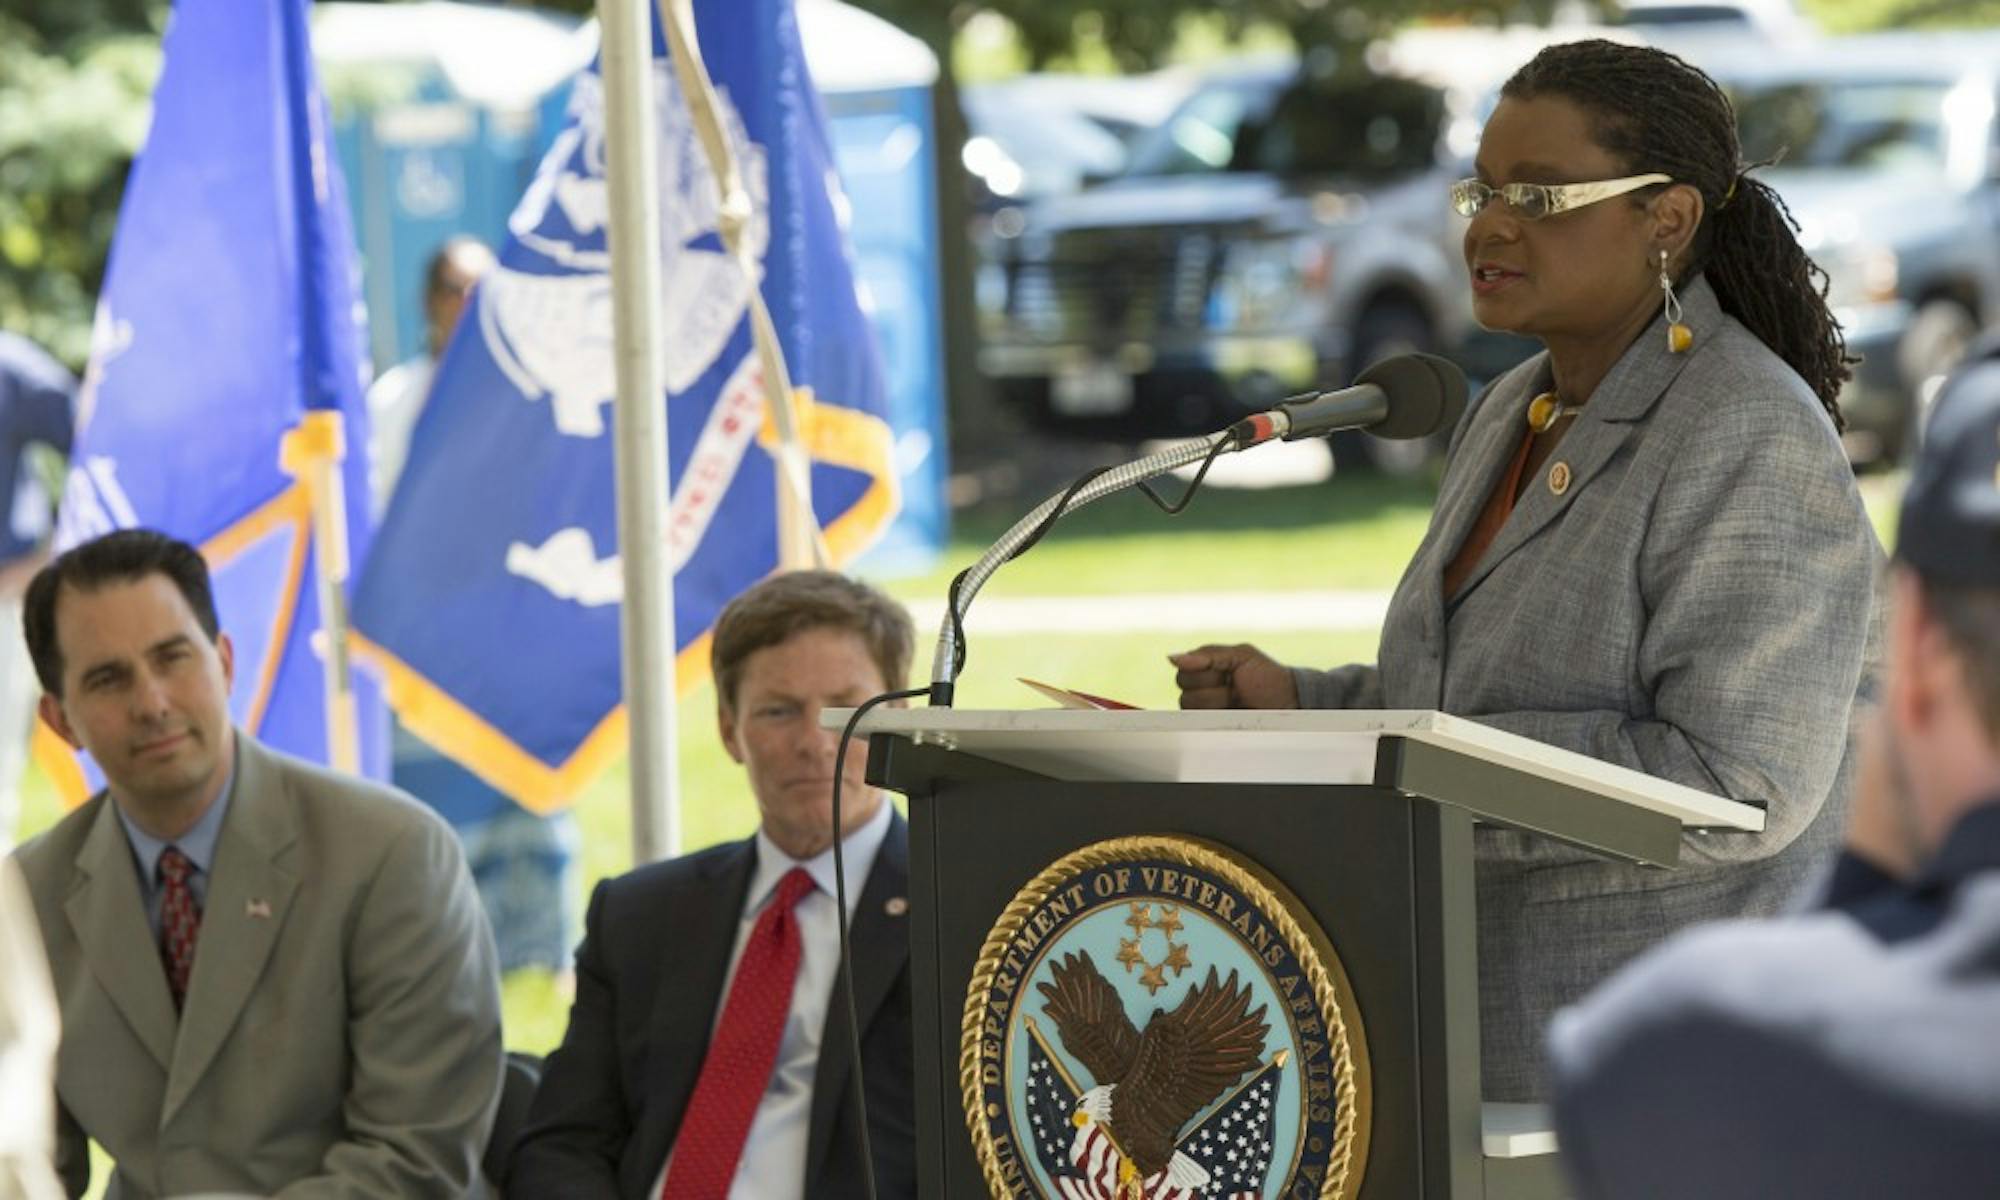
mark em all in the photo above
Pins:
pixel 273 979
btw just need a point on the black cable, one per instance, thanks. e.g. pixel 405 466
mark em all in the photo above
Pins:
pixel 952 606
pixel 1179 506
pixel 844 981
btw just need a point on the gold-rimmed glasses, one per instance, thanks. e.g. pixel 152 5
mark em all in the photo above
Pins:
pixel 1533 201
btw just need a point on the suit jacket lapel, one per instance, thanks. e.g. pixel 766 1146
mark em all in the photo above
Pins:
pixel 108 917
pixel 1482 458
pixel 1614 414
pixel 879 943
pixel 249 895
pixel 689 994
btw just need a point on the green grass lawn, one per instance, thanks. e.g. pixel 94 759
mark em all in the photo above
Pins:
pixel 1354 531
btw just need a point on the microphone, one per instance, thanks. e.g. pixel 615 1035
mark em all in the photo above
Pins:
pixel 1408 396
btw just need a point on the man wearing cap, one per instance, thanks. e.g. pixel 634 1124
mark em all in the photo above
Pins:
pixel 1853 1049
pixel 707 1050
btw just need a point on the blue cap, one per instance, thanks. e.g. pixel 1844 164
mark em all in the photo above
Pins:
pixel 1949 530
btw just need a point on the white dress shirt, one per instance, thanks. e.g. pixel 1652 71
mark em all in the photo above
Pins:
pixel 395 401
pixel 773 1166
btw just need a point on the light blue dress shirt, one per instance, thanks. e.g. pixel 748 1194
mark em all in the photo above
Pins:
pixel 198 844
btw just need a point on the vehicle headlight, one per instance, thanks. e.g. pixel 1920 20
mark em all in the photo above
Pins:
pixel 1264 284
pixel 1857 274
pixel 987 159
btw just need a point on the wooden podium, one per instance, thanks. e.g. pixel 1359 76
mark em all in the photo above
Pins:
pixel 1367 819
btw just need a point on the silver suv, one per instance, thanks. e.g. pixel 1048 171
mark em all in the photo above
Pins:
pixel 1891 163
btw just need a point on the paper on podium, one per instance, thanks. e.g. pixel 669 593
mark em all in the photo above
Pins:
pixel 1069 698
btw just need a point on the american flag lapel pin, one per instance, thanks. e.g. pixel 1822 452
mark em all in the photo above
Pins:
pixel 257 908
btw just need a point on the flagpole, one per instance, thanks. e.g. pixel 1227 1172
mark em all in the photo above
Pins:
pixel 800 540
pixel 312 453
pixel 631 177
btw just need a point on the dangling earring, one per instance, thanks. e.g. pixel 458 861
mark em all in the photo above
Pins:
pixel 1679 336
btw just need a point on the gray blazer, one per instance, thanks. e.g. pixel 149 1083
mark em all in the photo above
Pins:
pixel 342 1029
pixel 1698 604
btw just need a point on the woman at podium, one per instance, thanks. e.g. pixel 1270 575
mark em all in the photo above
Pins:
pixel 1648 546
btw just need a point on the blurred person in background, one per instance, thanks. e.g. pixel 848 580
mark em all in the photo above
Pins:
pixel 37 395
pixel 396 400
pixel 1854 1049
pixel 1648 546
pixel 524 863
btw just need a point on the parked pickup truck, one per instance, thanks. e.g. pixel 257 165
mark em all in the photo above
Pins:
pixel 1275 234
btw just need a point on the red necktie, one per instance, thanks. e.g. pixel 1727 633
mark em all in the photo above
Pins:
pixel 737 1070
pixel 180 920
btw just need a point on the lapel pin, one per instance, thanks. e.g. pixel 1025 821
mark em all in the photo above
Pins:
pixel 896 906
pixel 257 908
pixel 1559 478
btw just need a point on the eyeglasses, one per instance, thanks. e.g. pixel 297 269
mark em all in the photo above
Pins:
pixel 1533 201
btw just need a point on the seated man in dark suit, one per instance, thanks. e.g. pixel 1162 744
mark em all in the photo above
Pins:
pixel 1853 1050
pixel 707 1050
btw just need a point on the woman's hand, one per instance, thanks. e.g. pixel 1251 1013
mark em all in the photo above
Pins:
pixel 1232 677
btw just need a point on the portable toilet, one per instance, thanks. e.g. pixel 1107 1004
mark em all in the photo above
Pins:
pixel 441 112
pixel 876 83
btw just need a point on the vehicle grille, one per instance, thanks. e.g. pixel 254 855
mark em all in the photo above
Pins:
pixel 1112 285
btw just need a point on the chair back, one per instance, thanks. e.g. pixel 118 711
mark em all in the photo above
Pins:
pixel 517 1088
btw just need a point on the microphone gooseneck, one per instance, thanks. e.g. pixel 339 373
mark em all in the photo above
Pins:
pixel 945 662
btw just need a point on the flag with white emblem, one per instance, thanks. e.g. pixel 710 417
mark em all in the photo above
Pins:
pixel 491 600
pixel 227 358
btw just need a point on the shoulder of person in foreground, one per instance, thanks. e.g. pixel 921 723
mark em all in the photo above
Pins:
pixel 1802 1055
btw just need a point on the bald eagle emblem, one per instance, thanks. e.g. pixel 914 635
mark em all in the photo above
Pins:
pixel 1151 1082
pixel 1151 1018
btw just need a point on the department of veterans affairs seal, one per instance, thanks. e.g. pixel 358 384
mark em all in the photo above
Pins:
pixel 1155 1018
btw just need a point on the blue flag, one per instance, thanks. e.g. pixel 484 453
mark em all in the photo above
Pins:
pixel 492 597
pixel 229 314
pixel 1051 1098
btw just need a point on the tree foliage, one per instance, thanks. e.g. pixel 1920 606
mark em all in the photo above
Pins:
pixel 74 83
pixel 1140 34
pixel 1857 16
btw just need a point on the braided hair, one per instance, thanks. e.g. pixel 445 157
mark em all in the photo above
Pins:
pixel 1659 113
